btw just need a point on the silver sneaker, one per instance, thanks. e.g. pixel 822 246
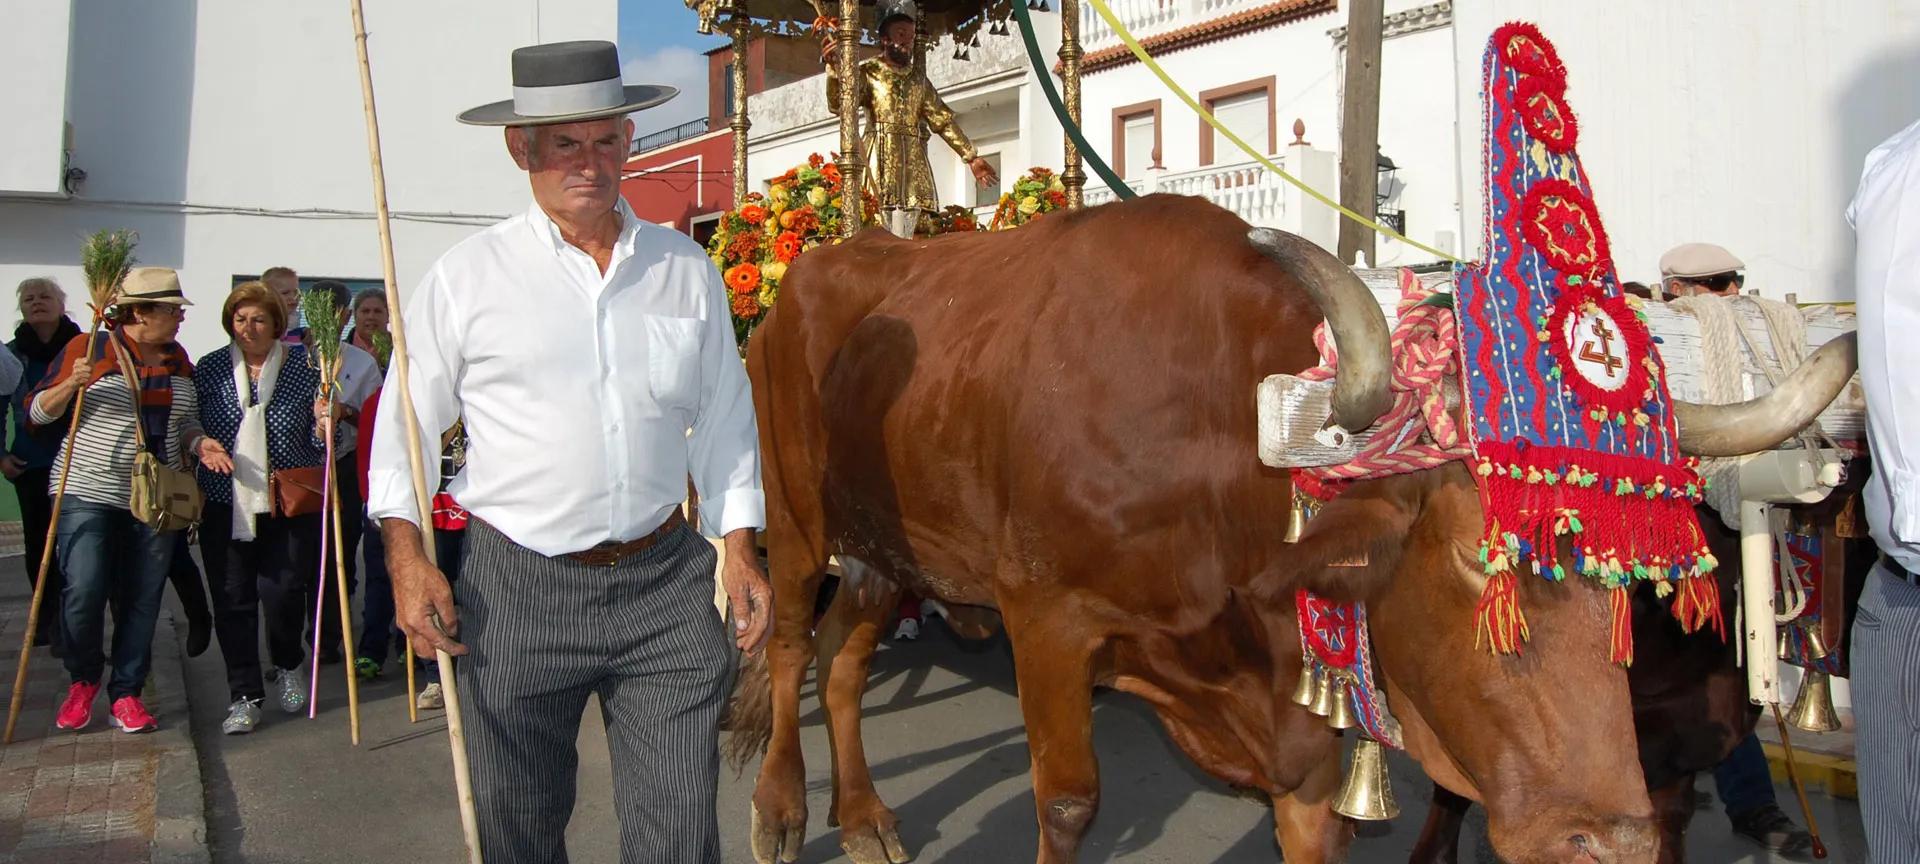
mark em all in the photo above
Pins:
pixel 293 691
pixel 242 716
pixel 430 698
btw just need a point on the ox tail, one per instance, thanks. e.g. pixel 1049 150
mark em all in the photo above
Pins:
pixel 749 717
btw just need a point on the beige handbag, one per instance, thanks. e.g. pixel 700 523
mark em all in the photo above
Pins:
pixel 160 496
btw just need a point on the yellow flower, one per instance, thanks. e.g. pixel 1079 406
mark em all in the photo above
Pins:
pixel 1029 205
pixel 771 228
pixel 817 196
pixel 718 262
pixel 779 194
pixel 772 272
pixel 768 293
pixel 1056 185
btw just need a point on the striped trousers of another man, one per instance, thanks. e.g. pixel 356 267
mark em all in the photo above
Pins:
pixel 1886 712
pixel 544 634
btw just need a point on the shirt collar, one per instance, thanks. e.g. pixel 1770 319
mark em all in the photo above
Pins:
pixel 544 228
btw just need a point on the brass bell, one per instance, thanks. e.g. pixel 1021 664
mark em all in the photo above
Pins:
pixel 1367 794
pixel 1817 649
pixel 1303 689
pixel 1342 715
pixel 1785 644
pixel 1296 524
pixel 1322 695
pixel 1813 705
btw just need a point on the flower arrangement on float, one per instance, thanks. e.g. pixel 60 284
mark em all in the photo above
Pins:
pixel 1035 194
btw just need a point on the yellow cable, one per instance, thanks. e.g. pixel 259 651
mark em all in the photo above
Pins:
pixel 1133 45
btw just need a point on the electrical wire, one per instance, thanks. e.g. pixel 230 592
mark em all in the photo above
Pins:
pixel 321 213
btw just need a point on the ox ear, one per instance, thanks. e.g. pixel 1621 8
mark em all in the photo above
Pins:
pixel 1351 548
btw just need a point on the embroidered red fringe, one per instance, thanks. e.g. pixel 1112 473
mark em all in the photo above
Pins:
pixel 1622 641
pixel 1646 530
pixel 1498 621
pixel 1696 603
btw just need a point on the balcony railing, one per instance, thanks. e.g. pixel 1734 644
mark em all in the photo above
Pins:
pixel 1145 18
pixel 667 137
pixel 1246 188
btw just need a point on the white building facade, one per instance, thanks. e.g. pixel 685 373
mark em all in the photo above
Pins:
pixel 230 135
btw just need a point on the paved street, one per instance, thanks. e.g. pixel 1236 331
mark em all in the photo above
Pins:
pixel 943 731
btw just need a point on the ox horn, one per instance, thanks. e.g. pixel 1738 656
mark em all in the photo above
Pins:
pixel 1760 424
pixel 1360 393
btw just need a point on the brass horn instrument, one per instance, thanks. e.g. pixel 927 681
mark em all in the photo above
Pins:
pixel 1367 794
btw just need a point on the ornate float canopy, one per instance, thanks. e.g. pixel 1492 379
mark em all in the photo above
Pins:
pixel 960 18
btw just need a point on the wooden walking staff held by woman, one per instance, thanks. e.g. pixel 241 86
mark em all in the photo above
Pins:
pixel 593 359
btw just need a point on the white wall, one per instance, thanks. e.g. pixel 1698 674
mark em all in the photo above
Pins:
pixel 1737 123
pixel 257 105
pixel 35 42
pixel 1416 111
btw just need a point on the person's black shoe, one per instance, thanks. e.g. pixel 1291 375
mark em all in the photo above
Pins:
pixel 1772 829
pixel 199 636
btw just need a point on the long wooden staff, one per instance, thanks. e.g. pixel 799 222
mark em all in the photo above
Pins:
pixel 46 553
pixel 457 739
pixel 340 588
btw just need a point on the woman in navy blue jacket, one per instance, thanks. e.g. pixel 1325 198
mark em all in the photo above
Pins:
pixel 259 400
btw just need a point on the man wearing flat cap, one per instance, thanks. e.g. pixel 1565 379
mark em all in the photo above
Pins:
pixel 1745 786
pixel 1691 269
pixel 592 358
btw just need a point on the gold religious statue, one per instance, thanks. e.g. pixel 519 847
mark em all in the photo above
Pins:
pixel 901 107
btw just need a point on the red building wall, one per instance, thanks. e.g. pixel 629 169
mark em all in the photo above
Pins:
pixel 678 184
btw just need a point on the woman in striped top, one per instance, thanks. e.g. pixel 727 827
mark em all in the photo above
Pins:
pixel 258 399
pixel 104 551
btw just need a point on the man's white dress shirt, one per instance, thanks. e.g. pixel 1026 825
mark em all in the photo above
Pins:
pixel 588 398
pixel 1886 217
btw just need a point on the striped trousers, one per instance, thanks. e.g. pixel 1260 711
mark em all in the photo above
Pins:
pixel 1886 712
pixel 544 634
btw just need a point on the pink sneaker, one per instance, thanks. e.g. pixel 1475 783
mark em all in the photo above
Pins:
pixel 77 711
pixel 131 717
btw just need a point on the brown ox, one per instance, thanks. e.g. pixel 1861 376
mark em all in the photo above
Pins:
pixel 1058 423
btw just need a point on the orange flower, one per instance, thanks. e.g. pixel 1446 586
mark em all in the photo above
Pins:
pixel 786 247
pixel 786 219
pixel 1056 198
pixel 754 214
pixel 746 305
pixel 814 161
pixel 743 279
pixel 963 223
pixel 830 171
pixel 805 220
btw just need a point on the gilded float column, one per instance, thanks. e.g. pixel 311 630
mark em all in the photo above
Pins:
pixel 740 121
pixel 1075 176
pixel 853 206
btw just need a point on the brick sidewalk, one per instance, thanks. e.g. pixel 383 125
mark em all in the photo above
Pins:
pixel 100 795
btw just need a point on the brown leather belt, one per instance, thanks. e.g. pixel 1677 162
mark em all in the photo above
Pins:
pixel 610 554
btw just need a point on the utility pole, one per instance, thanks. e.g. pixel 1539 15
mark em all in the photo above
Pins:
pixel 1360 126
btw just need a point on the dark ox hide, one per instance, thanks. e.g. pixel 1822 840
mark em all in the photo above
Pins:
pixel 1058 423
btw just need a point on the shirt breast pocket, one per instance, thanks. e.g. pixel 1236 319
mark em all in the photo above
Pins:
pixel 673 361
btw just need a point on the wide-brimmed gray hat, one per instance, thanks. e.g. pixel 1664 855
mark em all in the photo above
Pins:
pixel 567 82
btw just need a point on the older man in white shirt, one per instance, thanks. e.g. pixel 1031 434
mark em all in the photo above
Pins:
pixel 593 359
pixel 1886 630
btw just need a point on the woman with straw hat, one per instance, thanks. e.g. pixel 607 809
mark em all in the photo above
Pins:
pixel 104 551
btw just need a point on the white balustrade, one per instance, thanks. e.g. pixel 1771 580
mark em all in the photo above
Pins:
pixel 1144 18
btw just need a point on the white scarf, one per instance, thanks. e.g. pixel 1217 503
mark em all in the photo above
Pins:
pixel 250 493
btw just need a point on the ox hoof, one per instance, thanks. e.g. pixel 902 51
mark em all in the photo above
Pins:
pixel 778 840
pixel 877 845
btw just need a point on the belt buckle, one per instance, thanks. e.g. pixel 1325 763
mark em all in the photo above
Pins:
pixel 598 557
